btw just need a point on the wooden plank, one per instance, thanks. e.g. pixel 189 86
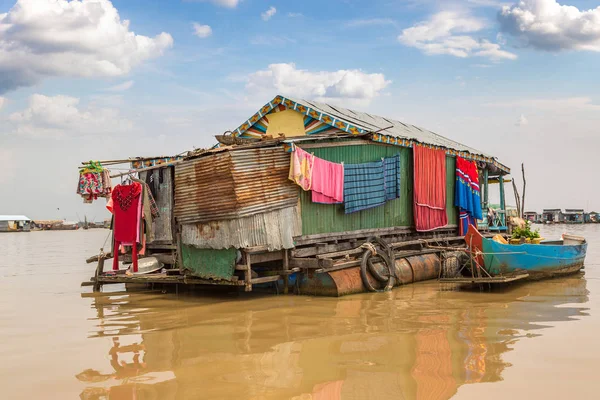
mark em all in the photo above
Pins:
pixel 161 246
pixel 495 279
pixel 163 278
pixel 265 279
pixel 313 250
pixel 266 257
pixel 357 142
pixel 310 263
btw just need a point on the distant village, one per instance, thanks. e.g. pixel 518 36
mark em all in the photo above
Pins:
pixel 558 216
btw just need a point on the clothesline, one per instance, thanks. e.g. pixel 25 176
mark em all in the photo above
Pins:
pixel 132 171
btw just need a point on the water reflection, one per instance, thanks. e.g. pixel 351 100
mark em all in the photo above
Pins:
pixel 418 342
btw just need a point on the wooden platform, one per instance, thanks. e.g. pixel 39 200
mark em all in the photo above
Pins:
pixel 496 279
pixel 172 279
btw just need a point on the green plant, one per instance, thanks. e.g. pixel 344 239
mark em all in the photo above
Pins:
pixel 525 232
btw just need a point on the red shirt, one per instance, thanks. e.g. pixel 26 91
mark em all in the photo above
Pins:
pixel 126 204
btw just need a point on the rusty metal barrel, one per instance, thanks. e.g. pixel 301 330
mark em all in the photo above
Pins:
pixel 348 281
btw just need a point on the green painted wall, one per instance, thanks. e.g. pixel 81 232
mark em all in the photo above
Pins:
pixel 450 183
pixel 209 263
pixel 323 218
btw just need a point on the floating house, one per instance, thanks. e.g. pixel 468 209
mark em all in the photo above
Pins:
pixel 14 223
pixel 574 216
pixel 552 216
pixel 532 216
pixel 592 217
pixel 231 215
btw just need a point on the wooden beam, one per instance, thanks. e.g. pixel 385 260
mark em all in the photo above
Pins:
pixel 265 279
pixel 310 263
pixel 286 267
pixel 248 274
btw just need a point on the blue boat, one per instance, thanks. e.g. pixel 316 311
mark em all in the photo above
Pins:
pixel 535 261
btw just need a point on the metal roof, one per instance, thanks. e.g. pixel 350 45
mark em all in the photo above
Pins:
pixel 14 218
pixel 375 123
pixel 356 123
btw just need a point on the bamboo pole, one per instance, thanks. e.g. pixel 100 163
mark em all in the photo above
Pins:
pixel 524 187
pixel 517 196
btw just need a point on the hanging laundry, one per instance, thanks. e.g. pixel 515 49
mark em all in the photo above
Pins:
pixel 127 209
pixel 392 177
pixel 364 186
pixel 429 188
pixel 301 167
pixel 94 181
pixel 467 194
pixel 327 182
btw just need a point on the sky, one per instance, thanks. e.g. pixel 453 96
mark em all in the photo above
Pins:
pixel 100 79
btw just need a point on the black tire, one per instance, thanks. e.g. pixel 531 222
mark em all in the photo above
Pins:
pixel 383 249
pixel 363 272
pixel 375 272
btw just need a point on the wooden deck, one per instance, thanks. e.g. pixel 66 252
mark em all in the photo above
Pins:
pixel 172 279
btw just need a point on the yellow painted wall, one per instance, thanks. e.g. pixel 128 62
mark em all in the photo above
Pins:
pixel 289 122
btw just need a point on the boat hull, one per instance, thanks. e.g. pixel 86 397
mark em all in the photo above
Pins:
pixel 538 260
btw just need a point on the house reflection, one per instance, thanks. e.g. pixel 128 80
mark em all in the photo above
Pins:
pixel 415 343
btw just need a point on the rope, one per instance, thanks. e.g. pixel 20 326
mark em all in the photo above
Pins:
pixel 369 246
pixel 104 245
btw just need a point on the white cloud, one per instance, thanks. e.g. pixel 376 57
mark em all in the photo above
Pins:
pixel 548 25
pixel 294 15
pixel 286 79
pixel 447 33
pixel 87 38
pixel 60 116
pixel 359 23
pixel 522 121
pixel 222 3
pixel 2 102
pixel 268 14
pixel 121 87
pixel 202 31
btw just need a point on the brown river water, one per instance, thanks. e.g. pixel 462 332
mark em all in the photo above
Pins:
pixel 421 341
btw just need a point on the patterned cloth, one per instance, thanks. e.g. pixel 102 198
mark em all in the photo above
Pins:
pixel 467 195
pixel 92 185
pixel 153 206
pixel 301 166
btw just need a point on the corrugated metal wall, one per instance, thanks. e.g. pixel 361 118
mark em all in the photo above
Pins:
pixel 322 218
pixel 274 229
pixel 450 184
pixel 233 184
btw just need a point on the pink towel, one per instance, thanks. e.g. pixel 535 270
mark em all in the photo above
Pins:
pixel 327 182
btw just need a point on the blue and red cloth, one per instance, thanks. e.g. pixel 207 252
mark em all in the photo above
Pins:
pixel 467 195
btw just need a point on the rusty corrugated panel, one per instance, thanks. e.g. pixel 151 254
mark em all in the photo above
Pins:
pixel 274 229
pixel 233 184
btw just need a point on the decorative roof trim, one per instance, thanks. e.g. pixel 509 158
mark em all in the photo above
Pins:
pixel 354 130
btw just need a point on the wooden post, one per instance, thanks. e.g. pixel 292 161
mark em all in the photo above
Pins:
pixel 179 253
pixel 248 274
pixel 99 271
pixel 486 194
pixel 286 268
pixel 502 197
